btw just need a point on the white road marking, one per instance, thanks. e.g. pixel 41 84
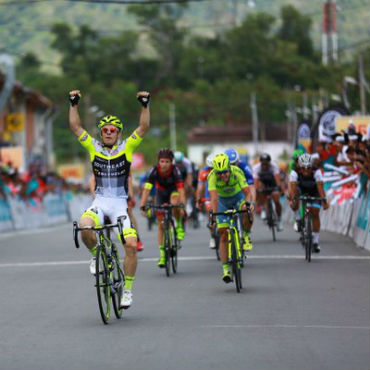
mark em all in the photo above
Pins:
pixel 277 326
pixel 185 259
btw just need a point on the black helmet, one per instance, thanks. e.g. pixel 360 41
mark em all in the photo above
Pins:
pixel 165 153
pixel 265 157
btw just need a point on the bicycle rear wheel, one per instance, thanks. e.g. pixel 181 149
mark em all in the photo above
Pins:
pixel 271 220
pixel 103 283
pixel 173 249
pixel 167 252
pixel 234 262
pixel 118 283
pixel 308 238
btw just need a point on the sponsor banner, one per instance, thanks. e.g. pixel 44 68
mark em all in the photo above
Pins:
pixel 327 122
pixel 138 161
pixel 13 154
pixel 361 124
pixel 72 171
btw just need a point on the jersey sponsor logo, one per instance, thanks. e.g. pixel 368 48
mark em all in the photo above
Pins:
pixel 134 136
pixel 93 209
pixel 229 189
pixel 84 138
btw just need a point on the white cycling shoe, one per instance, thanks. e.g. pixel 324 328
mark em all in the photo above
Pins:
pixel 92 266
pixel 212 243
pixel 126 299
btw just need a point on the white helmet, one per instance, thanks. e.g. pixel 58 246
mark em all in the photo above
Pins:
pixel 209 160
pixel 305 160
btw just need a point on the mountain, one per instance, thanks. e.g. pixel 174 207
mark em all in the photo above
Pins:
pixel 26 26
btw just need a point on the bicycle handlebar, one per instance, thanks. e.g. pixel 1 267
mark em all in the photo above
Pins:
pixel 308 198
pixel 76 229
pixel 167 206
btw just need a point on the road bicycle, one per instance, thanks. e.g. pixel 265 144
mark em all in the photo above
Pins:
pixel 271 216
pixel 109 276
pixel 306 223
pixel 236 255
pixel 170 242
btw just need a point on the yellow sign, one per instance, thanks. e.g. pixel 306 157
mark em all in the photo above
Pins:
pixel 72 171
pixel 13 155
pixel 361 123
pixel 15 121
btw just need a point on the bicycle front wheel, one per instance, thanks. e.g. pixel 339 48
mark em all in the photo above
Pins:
pixel 118 283
pixel 308 227
pixel 167 252
pixel 103 283
pixel 272 220
pixel 173 249
pixel 234 262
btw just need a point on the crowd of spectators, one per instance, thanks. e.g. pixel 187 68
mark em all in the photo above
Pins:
pixel 32 185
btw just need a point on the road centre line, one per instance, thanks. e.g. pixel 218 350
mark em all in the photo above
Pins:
pixel 185 259
pixel 277 326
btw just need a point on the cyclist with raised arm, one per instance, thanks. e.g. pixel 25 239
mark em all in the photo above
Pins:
pixel 167 179
pixel 228 189
pixel 111 161
pixel 306 180
pixel 235 161
pixel 267 182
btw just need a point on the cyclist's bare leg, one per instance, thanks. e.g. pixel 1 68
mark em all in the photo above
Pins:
pixel 223 244
pixel 130 260
pixel 132 218
pixel 315 219
pixel 88 236
pixel 160 229
pixel 174 200
pixel 276 198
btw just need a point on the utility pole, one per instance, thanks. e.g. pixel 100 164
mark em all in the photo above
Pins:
pixel 172 117
pixel 254 122
pixel 361 83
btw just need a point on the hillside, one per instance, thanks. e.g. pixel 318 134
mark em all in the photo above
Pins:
pixel 26 27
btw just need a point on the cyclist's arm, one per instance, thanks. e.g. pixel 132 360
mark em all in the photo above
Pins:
pixel 144 121
pixel 293 189
pixel 248 194
pixel 74 117
pixel 214 200
pixel 144 196
pixel 92 185
pixel 182 196
pixel 200 191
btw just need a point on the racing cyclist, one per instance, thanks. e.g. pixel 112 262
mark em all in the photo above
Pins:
pixel 228 189
pixel 306 180
pixel 235 161
pixel 111 161
pixel 267 175
pixel 167 179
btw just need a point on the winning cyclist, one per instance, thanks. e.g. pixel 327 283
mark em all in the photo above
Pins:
pixel 169 190
pixel 234 160
pixel 267 175
pixel 111 160
pixel 305 180
pixel 228 189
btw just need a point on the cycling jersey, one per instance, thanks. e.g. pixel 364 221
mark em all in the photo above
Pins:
pixel 170 181
pixel 202 179
pixel 247 172
pixel 236 183
pixel 111 167
pixel 185 167
pixel 267 177
pixel 307 185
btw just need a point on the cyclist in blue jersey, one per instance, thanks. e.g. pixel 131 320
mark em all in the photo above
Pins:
pixel 234 160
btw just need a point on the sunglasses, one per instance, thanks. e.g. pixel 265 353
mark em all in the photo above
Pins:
pixel 109 129
pixel 222 172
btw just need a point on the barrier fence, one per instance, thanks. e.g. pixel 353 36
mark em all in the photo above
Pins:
pixel 16 214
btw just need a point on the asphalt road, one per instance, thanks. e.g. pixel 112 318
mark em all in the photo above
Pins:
pixel 290 315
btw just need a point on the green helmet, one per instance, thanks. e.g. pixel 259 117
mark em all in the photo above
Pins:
pixel 110 120
pixel 221 162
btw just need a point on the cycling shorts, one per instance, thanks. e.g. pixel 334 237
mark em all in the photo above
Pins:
pixel 112 208
pixel 224 203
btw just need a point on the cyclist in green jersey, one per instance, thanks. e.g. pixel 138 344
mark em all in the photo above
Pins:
pixel 111 161
pixel 228 189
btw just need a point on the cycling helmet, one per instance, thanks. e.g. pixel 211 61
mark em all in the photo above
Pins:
pixel 305 160
pixel 233 155
pixel 209 160
pixel 165 153
pixel 265 157
pixel 221 162
pixel 110 120
pixel 179 156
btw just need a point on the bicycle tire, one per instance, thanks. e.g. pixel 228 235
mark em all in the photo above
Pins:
pixel 234 262
pixel 217 242
pixel 167 252
pixel 271 220
pixel 174 249
pixel 308 237
pixel 119 281
pixel 102 284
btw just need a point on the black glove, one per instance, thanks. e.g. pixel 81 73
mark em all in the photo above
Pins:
pixel 74 99
pixel 143 208
pixel 144 100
